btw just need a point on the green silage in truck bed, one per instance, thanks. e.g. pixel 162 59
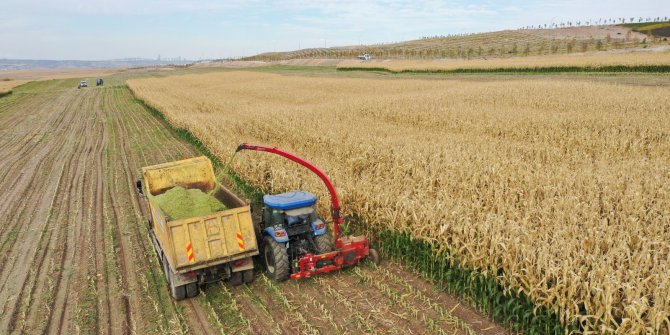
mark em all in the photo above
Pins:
pixel 180 203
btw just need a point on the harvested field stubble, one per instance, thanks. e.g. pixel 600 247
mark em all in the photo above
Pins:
pixel 558 188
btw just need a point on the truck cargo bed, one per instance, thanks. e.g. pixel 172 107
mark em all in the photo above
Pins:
pixel 199 242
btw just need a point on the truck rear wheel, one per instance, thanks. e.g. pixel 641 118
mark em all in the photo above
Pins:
pixel 178 292
pixel 192 290
pixel 235 279
pixel 323 244
pixel 276 259
pixel 248 276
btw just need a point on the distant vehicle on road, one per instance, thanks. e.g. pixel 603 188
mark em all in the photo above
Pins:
pixel 364 57
pixel 83 83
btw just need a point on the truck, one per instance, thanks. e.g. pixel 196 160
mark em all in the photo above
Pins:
pixel 198 250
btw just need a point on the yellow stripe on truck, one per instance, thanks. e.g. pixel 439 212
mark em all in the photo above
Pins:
pixel 189 252
pixel 240 241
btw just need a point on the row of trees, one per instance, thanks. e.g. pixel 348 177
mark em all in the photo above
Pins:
pixel 620 20
pixel 543 47
pixel 578 23
pixel 480 47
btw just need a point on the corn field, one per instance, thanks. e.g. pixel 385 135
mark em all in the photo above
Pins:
pixel 559 189
pixel 612 62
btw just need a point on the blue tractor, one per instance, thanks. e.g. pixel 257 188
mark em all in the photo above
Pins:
pixel 291 229
pixel 295 241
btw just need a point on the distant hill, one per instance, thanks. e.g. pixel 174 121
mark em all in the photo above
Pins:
pixel 30 64
pixel 522 42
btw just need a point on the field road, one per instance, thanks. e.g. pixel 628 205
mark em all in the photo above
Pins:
pixel 76 257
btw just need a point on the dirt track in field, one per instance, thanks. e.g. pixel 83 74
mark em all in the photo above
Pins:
pixel 75 256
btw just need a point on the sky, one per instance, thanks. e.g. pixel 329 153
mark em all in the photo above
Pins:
pixel 209 29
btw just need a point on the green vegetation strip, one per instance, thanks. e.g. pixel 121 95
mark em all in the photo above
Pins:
pixel 541 69
pixel 180 203
pixel 646 26
pixel 2 94
pixel 513 309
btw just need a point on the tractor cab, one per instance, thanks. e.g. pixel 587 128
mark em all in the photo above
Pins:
pixel 291 230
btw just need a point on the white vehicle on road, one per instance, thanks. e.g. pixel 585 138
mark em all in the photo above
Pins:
pixel 364 57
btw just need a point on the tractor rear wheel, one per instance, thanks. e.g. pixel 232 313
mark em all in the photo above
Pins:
pixel 276 259
pixel 323 244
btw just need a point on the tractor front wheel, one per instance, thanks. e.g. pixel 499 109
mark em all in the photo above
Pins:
pixel 276 259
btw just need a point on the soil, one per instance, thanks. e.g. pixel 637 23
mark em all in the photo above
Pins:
pixel 76 257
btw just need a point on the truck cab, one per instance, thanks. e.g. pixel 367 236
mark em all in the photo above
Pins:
pixel 291 229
